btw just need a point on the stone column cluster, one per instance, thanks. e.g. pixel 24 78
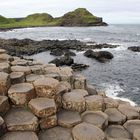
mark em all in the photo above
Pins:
pixel 45 102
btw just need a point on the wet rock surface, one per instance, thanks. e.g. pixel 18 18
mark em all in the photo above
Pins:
pixel 29 47
pixel 39 102
pixel 134 48
pixel 101 56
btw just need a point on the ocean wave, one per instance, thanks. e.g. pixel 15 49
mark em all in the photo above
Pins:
pixel 113 90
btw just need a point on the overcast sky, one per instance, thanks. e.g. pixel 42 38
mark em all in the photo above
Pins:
pixel 112 11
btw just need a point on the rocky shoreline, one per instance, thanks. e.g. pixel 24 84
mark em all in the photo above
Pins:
pixel 58 48
pixel 39 102
pixel 27 46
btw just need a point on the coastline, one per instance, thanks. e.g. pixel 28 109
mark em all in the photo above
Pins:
pixel 33 87
pixel 4 29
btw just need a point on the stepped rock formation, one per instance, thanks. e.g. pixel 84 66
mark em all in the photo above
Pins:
pixel 45 102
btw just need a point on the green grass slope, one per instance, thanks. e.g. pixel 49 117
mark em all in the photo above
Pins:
pixel 78 17
pixel 4 20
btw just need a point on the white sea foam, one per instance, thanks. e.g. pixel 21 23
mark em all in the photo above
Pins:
pixel 113 91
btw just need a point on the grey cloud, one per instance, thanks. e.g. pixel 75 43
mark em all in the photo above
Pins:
pixel 113 11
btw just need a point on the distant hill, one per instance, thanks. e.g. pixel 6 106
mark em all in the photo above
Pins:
pixel 78 17
pixel 4 20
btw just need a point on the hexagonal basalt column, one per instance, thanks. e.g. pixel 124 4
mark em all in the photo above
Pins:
pixel 18 119
pixel 20 136
pixel 46 87
pixel 5 58
pixel 4 105
pixel 94 103
pixel 111 103
pixel 115 116
pixel 97 118
pixel 73 101
pixel 132 125
pixel 130 112
pixel 79 82
pixel 56 133
pixel 2 51
pixel 25 69
pixel 42 107
pixel 32 77
pixel 4 83
pixel 2 126
pixel 17 77
pixel 85 131
pixel 5 67
pixel 19 62
pixel 21 94
pixel 68 118
pixel 117 132
pixel 48 122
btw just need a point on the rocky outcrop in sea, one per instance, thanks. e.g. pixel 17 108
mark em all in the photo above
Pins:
pixel 39 102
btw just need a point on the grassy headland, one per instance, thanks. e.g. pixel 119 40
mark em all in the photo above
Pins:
pixel 78 17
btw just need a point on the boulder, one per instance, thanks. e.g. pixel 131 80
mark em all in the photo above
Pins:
pixel 85 131
pixel 73 101
pixel 101 56
pixel 21 94
pixel 117 132
pixel 20 136
pixel 2 127
pixel 18 119
pixel 79 67
pixel 25 69
pixel 79 82
pixel 129 111
pixel 42 107
pixel 94 103
pixel 65 60
pixel 17 77
pixel 5 67
pixel 136 134
pixel 111 103
pixel 60 52
pixel 134 48
pixel 56 52
pixel 132 125
pixel 48 122
pixel 4 83
pixel 68 119
pixel 46 87
pixel 91 90
pixel 56 133
pixel 4 105
pixel 115 116
pixel 97 118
